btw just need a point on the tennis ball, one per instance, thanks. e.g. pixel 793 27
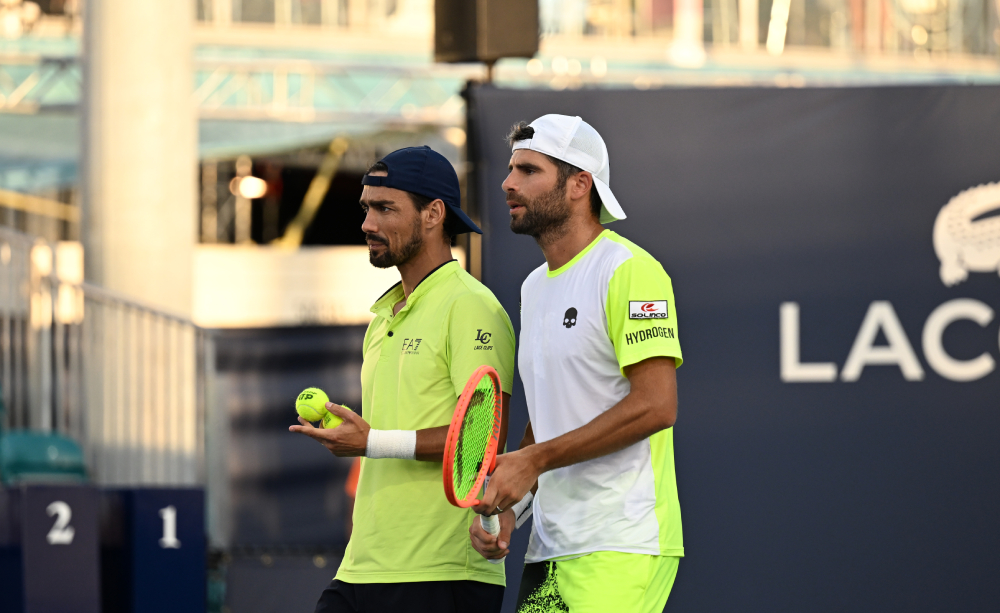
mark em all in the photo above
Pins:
pixel 311 404
pixel 332 421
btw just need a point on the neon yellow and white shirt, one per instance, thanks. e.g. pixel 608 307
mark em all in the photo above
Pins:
pixel 610 306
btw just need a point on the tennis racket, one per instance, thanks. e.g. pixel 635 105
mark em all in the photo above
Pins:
pixel 471 449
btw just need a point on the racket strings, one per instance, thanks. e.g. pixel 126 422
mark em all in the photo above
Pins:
pixel 474 437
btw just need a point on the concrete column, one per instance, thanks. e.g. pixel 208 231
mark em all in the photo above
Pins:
pixel 140 150
pixel 749 24
pixel 687 48
pixel 873 26
pixel 222 13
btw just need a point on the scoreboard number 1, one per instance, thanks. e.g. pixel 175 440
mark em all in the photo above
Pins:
pixel 61 533
pixel 169 540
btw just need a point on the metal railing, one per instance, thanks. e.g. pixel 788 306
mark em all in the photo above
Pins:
pixel 126 380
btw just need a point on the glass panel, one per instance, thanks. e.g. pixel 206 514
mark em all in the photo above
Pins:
pixel 563 16
pixel 255 11
pixel 203 10
pixel 307 11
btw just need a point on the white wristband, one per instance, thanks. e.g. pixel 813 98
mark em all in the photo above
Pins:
pixel 400 444
pixel 522 509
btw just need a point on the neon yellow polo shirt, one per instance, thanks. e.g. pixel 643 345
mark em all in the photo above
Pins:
pixel 416 364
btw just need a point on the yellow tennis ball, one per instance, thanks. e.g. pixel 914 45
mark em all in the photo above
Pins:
pixel 311 404
pixel 332 421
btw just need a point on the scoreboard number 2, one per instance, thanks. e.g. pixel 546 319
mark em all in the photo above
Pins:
pixel 61 533
pixel 169 540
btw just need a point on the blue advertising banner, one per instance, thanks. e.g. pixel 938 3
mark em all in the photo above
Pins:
pixel 834 255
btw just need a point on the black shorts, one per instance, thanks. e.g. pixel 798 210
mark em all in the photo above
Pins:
pixel 429 596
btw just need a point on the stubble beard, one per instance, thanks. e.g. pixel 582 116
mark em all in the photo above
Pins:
pixel 394 257
pixel 545 217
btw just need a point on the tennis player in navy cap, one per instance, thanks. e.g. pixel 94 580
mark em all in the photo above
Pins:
pixel 410 549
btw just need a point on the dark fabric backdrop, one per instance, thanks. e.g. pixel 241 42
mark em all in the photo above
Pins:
pixel 875 495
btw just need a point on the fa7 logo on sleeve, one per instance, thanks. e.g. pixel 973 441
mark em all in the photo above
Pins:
pixel 648 309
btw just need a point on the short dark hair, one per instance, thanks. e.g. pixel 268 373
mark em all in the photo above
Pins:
pixel 421 202
pixel 522 131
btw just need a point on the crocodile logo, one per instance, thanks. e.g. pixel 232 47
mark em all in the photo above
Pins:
pixel 967 234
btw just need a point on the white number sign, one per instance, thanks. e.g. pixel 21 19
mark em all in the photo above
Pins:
pixel 61 532
pixel 169 540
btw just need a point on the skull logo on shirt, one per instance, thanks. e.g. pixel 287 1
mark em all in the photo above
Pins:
pixel 569 320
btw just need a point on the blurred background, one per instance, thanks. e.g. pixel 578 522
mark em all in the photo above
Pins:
pixel 180 244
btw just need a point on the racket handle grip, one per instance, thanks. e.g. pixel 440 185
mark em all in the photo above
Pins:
pixel 491 524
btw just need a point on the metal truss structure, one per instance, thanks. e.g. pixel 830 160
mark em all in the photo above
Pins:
pixel 268 89
pixel 32 83
pixel 331 92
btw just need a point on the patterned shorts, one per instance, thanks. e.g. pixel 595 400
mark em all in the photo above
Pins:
pixel 597 583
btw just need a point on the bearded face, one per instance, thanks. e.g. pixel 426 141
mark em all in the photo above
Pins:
pixel 545 214
pixel 398 252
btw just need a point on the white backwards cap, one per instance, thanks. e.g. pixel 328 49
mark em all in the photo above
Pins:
pixel 576 142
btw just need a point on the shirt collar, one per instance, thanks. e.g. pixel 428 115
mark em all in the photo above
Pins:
pixel 576 258
pixel 383 306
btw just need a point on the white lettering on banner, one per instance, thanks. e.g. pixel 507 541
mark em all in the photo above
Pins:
pixel 792 370
pixel 898 351
pixel 965 235
pixel 881 316
pixel 942 363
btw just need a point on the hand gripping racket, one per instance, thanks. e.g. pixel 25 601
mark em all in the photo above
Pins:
pixel 471 449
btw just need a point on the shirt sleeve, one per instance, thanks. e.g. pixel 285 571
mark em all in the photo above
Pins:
pixel 480 333
pixel 642 316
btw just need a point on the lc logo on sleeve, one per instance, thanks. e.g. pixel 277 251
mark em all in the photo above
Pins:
pixel 647 309
pixel 484 339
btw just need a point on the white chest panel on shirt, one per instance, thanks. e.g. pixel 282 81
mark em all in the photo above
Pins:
pixel 571 376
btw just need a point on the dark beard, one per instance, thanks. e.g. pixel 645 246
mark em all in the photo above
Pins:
pixel 394 257
pixel 544 216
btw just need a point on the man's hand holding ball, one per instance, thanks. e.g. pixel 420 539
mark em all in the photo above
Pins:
pixel 342 431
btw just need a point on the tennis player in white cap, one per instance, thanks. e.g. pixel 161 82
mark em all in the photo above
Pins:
pixel 599 350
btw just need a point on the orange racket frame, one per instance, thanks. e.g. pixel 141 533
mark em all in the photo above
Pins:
pixel 489 461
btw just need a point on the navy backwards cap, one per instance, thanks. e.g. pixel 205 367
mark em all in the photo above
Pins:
pixel 421 170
